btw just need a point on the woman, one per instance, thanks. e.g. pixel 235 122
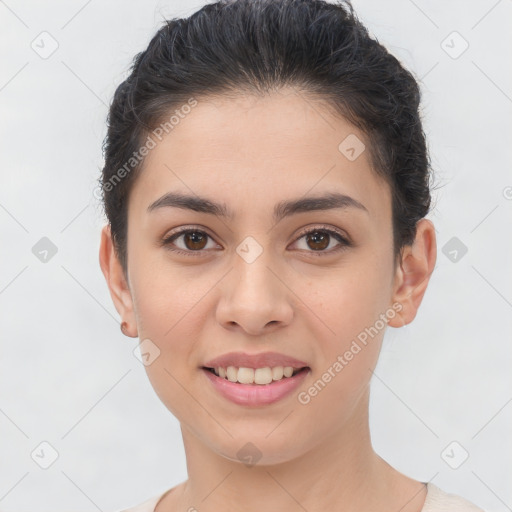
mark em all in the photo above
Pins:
pixel 266 183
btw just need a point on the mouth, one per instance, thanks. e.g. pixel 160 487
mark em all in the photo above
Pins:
pixel 256 376
pixel 255 387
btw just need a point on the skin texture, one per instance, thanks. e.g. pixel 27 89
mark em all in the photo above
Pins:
pixel 250 153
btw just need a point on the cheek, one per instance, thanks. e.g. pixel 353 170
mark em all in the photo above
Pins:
pixel 165 296
pixel 173 322
pixel 349 339
pixel 171 313
pixel 172 309
pixel 348 331
pixel 348 300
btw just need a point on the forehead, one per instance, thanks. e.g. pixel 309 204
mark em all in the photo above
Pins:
pixel 244 150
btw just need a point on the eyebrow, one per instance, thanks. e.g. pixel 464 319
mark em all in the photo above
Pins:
pixel 329 201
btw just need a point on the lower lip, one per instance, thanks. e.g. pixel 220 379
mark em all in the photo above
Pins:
pixel 256 394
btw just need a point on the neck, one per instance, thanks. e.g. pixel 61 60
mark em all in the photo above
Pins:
pixel 341 471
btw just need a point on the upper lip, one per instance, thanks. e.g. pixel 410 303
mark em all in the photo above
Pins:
pixel 261 360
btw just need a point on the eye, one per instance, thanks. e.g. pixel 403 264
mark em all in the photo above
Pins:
pixel 193 241
pixel 318 239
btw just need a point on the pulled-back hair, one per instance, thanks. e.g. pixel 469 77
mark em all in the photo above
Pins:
pixel 235 47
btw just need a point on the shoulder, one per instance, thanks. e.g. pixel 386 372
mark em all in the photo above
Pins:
pixel 146 506
pixel 438 500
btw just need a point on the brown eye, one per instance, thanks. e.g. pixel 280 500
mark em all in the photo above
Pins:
pixel 322 241
pixel 318 240
pixel 188 241
pixel 195 240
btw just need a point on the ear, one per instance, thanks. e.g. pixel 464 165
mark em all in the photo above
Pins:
pixel 116 281
pixel 413 274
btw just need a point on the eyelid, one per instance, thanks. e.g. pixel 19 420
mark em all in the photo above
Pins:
pixel 344 240
pixel 166 240
pixel 324 227
pixel 338 234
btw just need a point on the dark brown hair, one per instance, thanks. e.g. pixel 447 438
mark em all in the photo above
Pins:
pixel 254 46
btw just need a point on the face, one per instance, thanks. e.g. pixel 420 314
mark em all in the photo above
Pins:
pixel 313 283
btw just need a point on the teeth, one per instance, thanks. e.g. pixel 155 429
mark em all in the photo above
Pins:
pixel 263 376
pixel 277 373
pixel 255 376
pixel 232 373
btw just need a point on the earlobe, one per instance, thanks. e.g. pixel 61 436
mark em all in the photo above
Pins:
pixel 116 282
pixel 413 274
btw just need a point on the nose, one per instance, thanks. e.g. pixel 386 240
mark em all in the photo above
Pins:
pixel 254 299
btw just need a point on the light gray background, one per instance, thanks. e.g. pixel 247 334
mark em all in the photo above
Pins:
pixel 70 378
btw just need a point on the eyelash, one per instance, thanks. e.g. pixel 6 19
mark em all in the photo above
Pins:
pixel 345 243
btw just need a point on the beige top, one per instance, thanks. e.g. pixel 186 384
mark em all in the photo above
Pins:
pixel 436 501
